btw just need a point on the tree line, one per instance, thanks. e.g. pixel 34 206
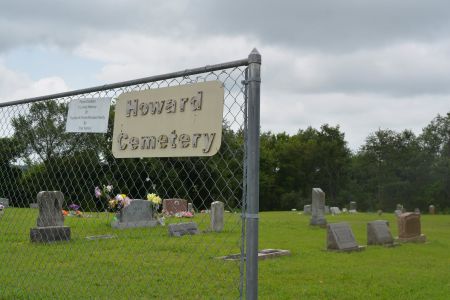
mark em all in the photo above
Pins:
pixel 389 168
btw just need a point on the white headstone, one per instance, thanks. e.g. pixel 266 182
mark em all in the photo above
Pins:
pixel 217 211
pixel 318 207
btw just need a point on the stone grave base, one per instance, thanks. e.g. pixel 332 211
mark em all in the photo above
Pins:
pixel 101 237
pixel 123 225
pixel 262 254
pixel 180 229
pixel 355 249
pixel 50 234
pixel 416 239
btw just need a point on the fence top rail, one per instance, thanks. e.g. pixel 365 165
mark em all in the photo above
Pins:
pixel 187 72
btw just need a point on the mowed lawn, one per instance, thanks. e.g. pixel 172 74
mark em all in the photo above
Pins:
pixel 148 264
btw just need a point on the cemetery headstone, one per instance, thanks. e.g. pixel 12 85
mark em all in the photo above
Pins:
pixel 173 206
pixel 378 233
pixel 318 208
pixel 327 210
pixel 34 205
pixel 307 209
pixel 217 211
pixel 180 229
pixel 137 214
pixel 431 210
pixel 50 222
pixel 4 202
pixel 417 211
pixel 398 212
pixel 352 207
pixel 380 212
pixel 409 228
pixel 190 208
pixel 340 237
pixel 335 210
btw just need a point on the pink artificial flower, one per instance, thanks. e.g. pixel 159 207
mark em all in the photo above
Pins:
pixel 97 192
pixel 119 197
pixel 187 214
pixel 126 201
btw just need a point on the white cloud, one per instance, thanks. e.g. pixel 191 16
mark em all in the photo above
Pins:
pixel 16 86
pixel 356 114
pixel 129 56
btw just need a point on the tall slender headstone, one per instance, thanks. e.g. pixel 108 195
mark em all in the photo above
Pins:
pixel 50 222
pixel 352 207
pixel 217 211
pixel 318 208
pixel 431 210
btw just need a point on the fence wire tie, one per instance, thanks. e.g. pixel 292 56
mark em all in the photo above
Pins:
pixel 251 216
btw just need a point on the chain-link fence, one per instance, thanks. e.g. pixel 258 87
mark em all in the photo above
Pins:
pixel 100 261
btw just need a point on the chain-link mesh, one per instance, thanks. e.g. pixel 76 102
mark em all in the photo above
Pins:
pixel 36 154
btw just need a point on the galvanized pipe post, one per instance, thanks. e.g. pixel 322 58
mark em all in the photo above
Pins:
pixel 253 88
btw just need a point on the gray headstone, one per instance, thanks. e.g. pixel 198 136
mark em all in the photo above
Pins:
pixel 340 237
pixel 378 233
pixel 352 205
pixel 217 211
pixel 307 209
pixel 4 202
pixel 327 210
pixel 50 209
pixel 417 210
pixel 137 214
pixel 50 222
pixel 431 210
pixel 398 212
pixel 180 229
pixel 190 207
pixel 335 210
pixel 34 205
pixel 318 207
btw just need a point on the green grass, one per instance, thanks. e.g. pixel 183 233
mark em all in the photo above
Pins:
pixel 148 264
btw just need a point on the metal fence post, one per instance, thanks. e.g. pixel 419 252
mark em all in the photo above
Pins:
pixel 254 83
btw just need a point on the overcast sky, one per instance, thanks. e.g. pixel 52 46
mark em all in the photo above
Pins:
pixel 359 64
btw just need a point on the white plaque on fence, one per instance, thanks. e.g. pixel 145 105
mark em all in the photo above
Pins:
pixel 173 121
pixel 88 115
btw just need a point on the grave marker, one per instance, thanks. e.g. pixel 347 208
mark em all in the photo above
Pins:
pixel 318 208
pixel 378 233
pixel 137 214
pixel 409 229
pixel 340 237
pixel 173 206
pixel 4 202
pixel 50 222
pixel 181 229
pixel 307 209
pixel 217 211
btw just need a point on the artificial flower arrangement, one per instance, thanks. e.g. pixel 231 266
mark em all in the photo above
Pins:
pixel 156 201
pixel 74 210
pixel 115 204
